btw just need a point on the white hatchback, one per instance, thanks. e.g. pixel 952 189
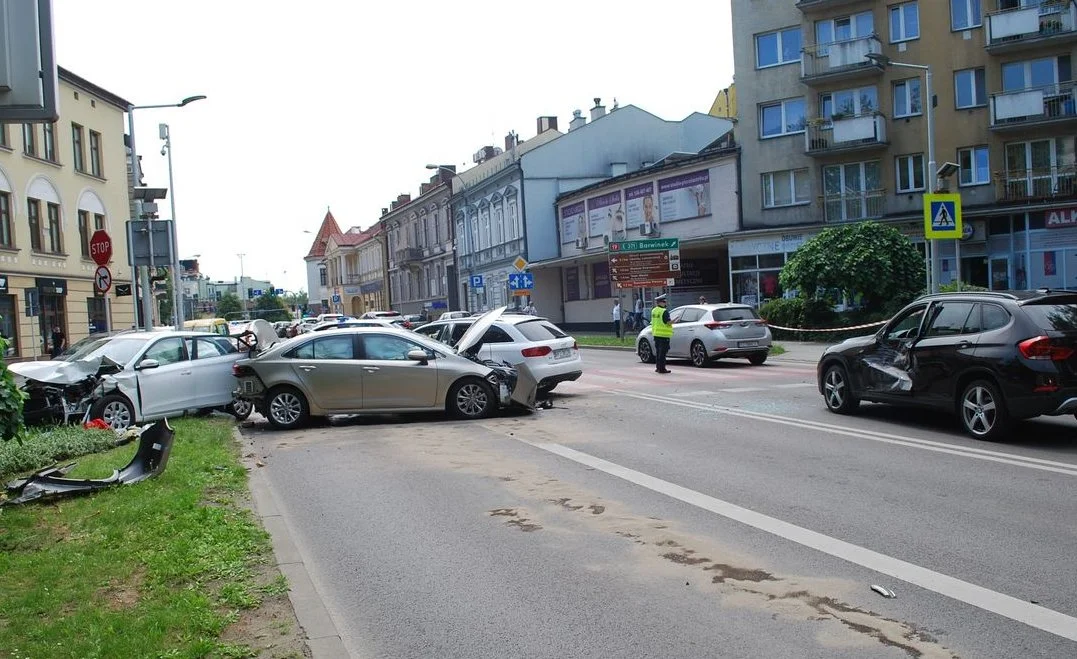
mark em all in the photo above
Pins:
pixel 551 355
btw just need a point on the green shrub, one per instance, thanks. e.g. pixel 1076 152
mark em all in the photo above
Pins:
pixel 41 448
pixel 798 312
pixel 11 399
pixel 952 287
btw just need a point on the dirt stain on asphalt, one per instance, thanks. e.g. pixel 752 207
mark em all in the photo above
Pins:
pixel 515 519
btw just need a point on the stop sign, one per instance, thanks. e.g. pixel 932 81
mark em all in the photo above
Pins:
pixel 100 247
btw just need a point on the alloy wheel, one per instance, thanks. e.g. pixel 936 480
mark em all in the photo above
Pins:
pixel 979 410
pixel 472 400
pixel 117 415
pixel 242 408
pixel 834 386
pixel 699 354
pixel 645 355
pixel 285 408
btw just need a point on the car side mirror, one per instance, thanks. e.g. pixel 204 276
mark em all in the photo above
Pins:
pixel 421 356
pixel 148 363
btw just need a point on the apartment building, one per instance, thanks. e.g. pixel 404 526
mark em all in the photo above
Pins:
pixel 829 135
pixel 60 182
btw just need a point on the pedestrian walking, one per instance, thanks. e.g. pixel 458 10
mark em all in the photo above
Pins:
pixel 57 341
pixel 702 299
pixel 617 317
pixel 637 312
pixel 662 329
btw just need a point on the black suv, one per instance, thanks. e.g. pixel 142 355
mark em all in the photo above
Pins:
pixel 989 357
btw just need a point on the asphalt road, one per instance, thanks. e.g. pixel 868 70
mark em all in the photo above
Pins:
pixel 718 512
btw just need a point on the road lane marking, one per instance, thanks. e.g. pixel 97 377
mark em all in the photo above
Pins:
pixel 794 385
pixel 1033 615
pixel 702 392
pixel 741 390
pixel 886 438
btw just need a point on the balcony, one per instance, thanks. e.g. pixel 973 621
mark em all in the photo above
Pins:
pixel 813 6
pixel 839 60
pixel 854 205
pixel 1051 104
pixel 1026 28
pixel 1037 185
pixel 845 134
pixel 406 255
pixel 351 279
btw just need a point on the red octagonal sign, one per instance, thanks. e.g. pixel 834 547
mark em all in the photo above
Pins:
pixel 100 247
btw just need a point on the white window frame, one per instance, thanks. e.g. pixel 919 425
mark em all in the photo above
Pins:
pixel 906 165
pixel 972 151
pixel 982 99
pixel 899 11
pixel 768 180
pixel 785 122
pixel 858 101
pixel 907 111
pixel 972 15
pixel 781 49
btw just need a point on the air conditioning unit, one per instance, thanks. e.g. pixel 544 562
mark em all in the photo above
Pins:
pixel 646 229
pixel 581 242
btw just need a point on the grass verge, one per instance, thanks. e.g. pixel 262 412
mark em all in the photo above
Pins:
pixel 598 340
pixel 176 566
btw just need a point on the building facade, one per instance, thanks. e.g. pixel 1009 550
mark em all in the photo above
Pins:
pixel 830 136
pixel 421 260
pixel 319 295
pixel 59 183
pixel 355 265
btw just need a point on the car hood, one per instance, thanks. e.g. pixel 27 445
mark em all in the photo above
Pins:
pixel 853 343
pixel 478 329
pixel 55 372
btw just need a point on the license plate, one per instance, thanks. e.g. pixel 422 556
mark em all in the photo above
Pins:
pixel 561 353
pixel 749 344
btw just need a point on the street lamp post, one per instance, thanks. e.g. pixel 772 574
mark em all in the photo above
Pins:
pixel 177 291
pixel 144 278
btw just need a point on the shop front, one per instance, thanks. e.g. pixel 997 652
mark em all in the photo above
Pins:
pixel 755 263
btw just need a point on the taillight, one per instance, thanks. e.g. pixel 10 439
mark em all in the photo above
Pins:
pixel 575 346
pixel 241 371
pixel 537 351
pixel 714 326
pixel 1040 347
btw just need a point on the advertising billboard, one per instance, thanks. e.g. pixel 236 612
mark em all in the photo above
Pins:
pixel 684 197
pixel 639 208
pixel 571 222
pixel 605 216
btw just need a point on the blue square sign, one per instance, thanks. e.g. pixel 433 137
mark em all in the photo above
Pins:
pixel 521 281
pixel 476 281
pixel 942 216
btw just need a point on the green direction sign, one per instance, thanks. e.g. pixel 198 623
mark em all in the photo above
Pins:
pixel 657 245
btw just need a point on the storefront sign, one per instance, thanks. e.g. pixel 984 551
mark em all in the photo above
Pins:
pixel 1059 218
pixel 571 222
pixel 782 244
pixel 699 272
pixel 371 287
pixel 603 213
pixel 684 197
pixel 51 286
pixel 639 208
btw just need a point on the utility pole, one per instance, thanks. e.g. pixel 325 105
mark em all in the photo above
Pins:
pixel 240 289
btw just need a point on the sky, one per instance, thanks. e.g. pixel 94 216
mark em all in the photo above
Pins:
pixel 340 104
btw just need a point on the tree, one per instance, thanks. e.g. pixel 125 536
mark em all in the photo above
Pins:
pixel 870 261
pixel 11 399
pixel 228 304
pixel 270 307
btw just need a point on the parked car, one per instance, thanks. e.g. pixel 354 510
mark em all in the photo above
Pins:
pixel 412 321
pixel 377 370
pixel 379 314
pixel 706 332
pixel 551 354
pixel 990 358
pixel 453 315
pixel 341 324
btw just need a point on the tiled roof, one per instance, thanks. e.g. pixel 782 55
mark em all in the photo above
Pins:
pixel 328 229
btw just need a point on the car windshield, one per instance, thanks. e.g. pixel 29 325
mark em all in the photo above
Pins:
pixel 537 330
pixel 1061 317
pixel 119 349
pixel 736 313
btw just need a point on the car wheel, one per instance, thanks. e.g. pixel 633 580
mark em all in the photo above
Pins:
pixel 241 409
pixel 286 408
pixel 115 410
pixel 837 392
pixel 983 411
pixel 698 352
pixel 471 399
pixel 757 359
pixel 646 355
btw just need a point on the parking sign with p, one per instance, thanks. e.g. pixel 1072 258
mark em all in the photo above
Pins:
pixel 942 216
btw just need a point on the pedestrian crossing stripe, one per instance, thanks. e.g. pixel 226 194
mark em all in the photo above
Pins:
pixel 942 216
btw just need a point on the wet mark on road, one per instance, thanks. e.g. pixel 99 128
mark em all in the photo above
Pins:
pixel 829 607
pixel 564 503
pixel 517 520
pixel 730 572
pixel 596 509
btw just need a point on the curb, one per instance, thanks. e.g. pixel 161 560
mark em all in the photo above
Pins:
pixel 322 637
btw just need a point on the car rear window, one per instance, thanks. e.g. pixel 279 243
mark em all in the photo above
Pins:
pixel 736 313
pixel 1062 317
pixel 538 330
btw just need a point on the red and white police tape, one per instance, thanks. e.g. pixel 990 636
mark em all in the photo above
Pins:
pixel 836 329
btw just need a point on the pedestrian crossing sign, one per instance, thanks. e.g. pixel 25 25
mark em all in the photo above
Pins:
pixel 942 216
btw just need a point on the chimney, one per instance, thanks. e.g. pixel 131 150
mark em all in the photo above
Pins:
pixel 599 110
pixel 578 120
pixel 546 123
pixel 402 199
pixel 384 212
pixel 424 188
pixel 510 141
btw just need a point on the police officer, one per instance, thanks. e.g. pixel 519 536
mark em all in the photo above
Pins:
pixel 663 332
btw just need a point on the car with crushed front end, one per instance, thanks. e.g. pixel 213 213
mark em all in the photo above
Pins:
pixel 990 358
pixel 379 370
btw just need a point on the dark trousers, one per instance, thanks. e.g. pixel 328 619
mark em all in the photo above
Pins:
pixel 661 347
pixel 617 328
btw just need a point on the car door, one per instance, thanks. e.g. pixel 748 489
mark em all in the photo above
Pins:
pixel 167 388
pixel 947 347
pixel 211 364
pixel 391 380
pixel 499 346
pixel 882 367
pixel 328 371
pixel 684 320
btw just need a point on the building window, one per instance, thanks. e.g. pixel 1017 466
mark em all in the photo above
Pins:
pixel 1030 74
pixel 33 213
pixel 96 314
pixel 7 237
pixel 95 154
pixel 965 14
pixel 775 48
pixel 786 188
pixel 970 89
pixel 53 316
pixel 49 143
pixel 323 278
pixel 907 102
pixel 84 232
pixel 1040 168
pixel 849 102
pixel 755 278
pixel 8 320
pixel 910 173
pixel 3 136
pixel 76 147
pixel 904 22
pixel 29 140
pixel 782 118
pixel 56 245
pixel 974 166
pixel 844 28
pixel 853 191
pixel 98 222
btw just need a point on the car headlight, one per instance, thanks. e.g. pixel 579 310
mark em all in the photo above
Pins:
pixel 493 379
